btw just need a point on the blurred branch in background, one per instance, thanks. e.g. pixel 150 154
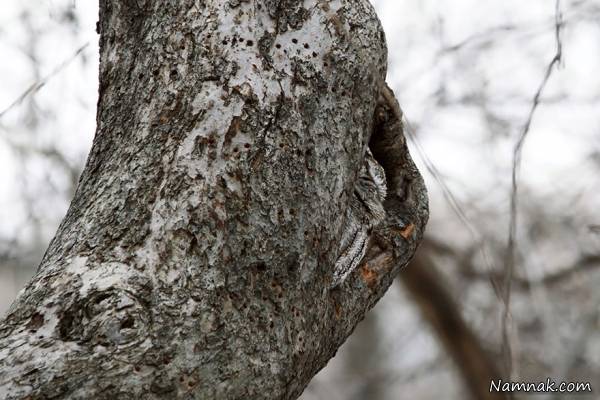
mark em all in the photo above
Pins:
pixel 587 263
pixel 37 85
pixel 465 72
pixel 511 251
pixel 38 170
pixel 438 307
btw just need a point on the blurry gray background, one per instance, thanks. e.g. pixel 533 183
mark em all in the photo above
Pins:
pixel 466 73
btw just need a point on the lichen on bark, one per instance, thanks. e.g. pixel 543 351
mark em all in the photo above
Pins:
pixel 196 258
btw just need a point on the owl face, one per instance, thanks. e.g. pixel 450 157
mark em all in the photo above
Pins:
pixel 371 189
pixel 377 174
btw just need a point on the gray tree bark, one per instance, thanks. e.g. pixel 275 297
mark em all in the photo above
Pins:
pixel 195 261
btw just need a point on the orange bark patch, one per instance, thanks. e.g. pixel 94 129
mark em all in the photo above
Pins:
pixel 368 275
pixel 338 311
pixel 234 129
pixel 408 231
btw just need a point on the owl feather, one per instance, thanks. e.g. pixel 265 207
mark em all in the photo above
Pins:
pixel 364 212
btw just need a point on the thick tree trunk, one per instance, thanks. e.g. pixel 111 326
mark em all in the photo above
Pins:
pixel 196 258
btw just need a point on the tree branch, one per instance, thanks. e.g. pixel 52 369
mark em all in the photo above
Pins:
pixel 511 251
pixel 457 338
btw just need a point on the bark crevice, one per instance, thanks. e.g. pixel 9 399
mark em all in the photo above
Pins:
pixel 196 258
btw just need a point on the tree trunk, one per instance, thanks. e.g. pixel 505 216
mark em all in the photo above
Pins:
pixel 196 259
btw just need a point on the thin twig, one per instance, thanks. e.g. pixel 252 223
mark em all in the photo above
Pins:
pixel 433 170
pixel 36 86
pixel 585 264
pixel 517 154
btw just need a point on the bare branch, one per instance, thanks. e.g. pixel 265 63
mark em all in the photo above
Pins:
pixel 439 309
pixel 36 86
pixel 585 264
pixel 517 153
pixel 452 200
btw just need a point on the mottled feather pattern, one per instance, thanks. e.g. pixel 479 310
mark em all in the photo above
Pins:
pixel 365 211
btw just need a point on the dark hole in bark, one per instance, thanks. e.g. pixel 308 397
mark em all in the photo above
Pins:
pixel 36 322
pixel 261 267
pixel 295 41
pixel 127 323
pixel 33 371
pixel 101 297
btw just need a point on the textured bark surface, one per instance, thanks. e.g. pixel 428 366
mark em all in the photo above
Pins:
pixel 196 257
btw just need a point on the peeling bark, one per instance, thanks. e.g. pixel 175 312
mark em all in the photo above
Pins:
pixel 196 258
